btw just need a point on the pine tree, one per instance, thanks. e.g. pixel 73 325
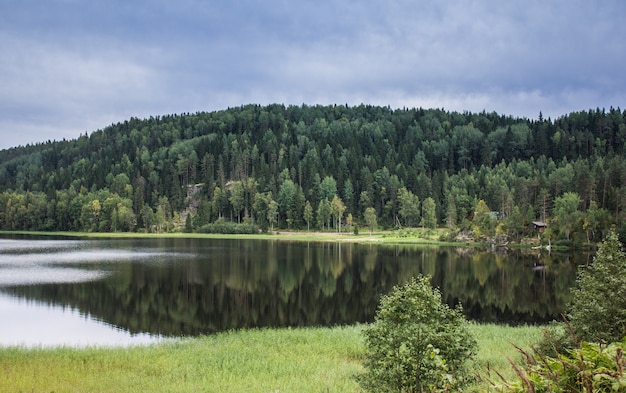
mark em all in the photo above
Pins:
pixel 598 307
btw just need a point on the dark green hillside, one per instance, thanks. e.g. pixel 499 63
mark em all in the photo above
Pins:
pixel 252 160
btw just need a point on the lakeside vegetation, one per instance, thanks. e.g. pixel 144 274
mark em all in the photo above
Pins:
pixel 258 360
pixel 484 176
pixel 413 236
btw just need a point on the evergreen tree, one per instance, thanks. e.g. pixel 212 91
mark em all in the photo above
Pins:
pixel 188 224
pixel 598 306
pixel 429 214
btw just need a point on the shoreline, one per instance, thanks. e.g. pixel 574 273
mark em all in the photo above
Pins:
pixel 379 237
pixel 424 237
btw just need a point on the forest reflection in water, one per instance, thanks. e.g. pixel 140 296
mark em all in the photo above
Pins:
pixel 199 286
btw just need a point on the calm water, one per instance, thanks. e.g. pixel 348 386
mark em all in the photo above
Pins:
pixel 111 292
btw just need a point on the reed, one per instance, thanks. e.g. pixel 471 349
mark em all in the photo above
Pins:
pixel 268 360
pixel 495 349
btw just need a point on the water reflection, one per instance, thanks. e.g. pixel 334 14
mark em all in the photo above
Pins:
pixel 198 286
pixel 27 323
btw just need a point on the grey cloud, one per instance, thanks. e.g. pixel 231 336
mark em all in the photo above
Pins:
pixel 107 61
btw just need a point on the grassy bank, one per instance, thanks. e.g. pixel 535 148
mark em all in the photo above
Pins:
pixel 268 360
pixel 413 236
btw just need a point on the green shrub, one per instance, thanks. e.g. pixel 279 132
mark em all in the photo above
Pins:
pixel 416 343
pixel 598 309
pixel 223 227
pixel 565 243
pixel 557 338
pixel 589 368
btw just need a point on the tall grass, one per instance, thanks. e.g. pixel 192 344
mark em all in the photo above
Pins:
pixel 264 360
pixel 269 360
pixel 495 349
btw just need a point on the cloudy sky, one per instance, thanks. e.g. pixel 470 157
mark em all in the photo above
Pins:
pixel 71 66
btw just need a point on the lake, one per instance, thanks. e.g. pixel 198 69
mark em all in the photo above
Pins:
pixel 120 292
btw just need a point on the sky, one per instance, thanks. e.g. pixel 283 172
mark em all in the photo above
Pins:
pixel 72 66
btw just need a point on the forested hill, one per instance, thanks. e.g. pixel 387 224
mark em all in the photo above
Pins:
pixel 246 161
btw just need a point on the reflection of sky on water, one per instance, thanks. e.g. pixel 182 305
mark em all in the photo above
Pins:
pixel 77 257
pixel 28 323
pixel 29 275
pixel 70 251
pixel 34 324
pixel 14 245
pixel 24 262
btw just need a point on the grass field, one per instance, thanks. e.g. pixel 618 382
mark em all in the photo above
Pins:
pixel 264 360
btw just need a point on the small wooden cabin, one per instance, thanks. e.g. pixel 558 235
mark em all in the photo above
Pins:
pixel 539 225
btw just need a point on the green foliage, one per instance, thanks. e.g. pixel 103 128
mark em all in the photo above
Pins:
pixel 308 214
pixel 576 357
pixel 365 154
pixel 229 227
pixel 236 198
pixel 261 206
pixel 557 338
pixel 272 213
pixel 566 211
pixel 328 189
pixel 429 214
pixel 287 199
pixel 483 223
pixel 324 212
pixel 598 309
pixel 370 218
pixel 416 343
pixel 188 224
pixel 595 220
pixel 409 207
pixel 589 368
pixel 336 209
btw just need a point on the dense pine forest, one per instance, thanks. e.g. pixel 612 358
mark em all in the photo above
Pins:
pixel 327 168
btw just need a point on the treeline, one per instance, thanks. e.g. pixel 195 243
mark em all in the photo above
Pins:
pixel 322 167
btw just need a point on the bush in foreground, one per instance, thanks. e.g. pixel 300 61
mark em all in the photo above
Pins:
pixel 591 367
pixel 416 343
